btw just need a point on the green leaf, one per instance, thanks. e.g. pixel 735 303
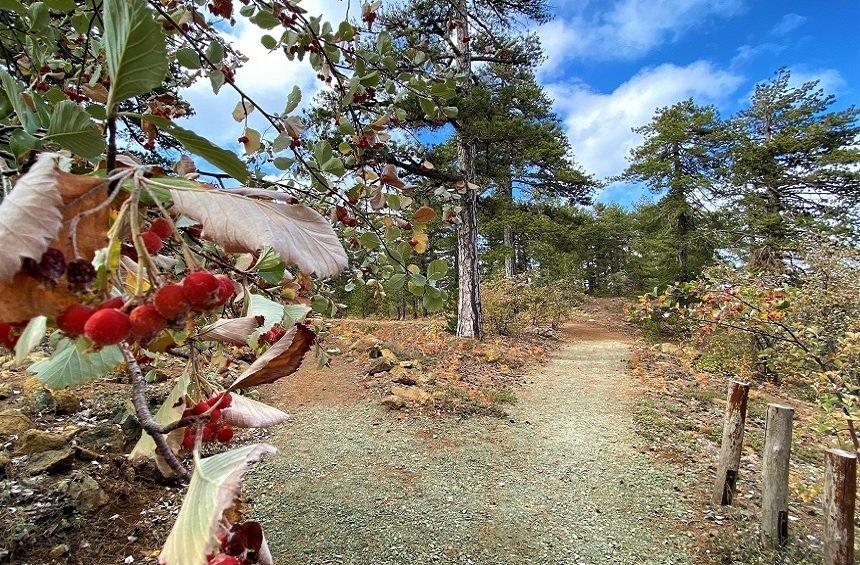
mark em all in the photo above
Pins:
pixel 269 42
pixel 215 483
pixel 293 100
pixel 265 19
pixel 293 313
pixel 30 338
pixel 225 160
pixel 369 240
pixel 215 52
pixel 20 142
pixel 72 364
pixel 13 90
pixel 271 311
pixel 322 151
pixel 134 49
pixel 334 166
pixel 72 129
pixel 427 106
pixel 188 58
pixel 434 299
pixel 283 163
pixel 395 282
pixel 437 269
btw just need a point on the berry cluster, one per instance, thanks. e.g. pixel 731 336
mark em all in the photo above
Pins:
pixel 153 238
pixel 223 8
pixel 51 267
pixel 108 324
pixel 215 429
pixel 273 335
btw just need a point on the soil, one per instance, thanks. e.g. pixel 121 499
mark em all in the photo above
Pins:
pixel 558 480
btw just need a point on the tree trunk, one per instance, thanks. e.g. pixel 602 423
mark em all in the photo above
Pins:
pixel 511 257
pixel 469 319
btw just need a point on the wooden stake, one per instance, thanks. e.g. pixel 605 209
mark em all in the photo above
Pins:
pixel 840 488
pixel 733 439
pixel 774 470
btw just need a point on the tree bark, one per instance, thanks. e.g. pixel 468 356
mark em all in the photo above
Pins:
pixel 470 318
pixel 840 490
pixel 511 257
pixel 733 439
pixel 774 470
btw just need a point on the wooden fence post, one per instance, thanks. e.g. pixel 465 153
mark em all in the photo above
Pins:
pixel 840 488
pixel 733 439
pixel 774 470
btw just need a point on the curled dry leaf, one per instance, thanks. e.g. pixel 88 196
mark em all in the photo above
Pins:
pixel 24 297
pixel 231 330
pixel 252 145
pixel 30 216
pixel 247 413
pixel 97 92
pixel 242 110
pixel 215 484
pixel 300 235
pixel 390 177
pixel 377 197
pixel 282 359
pixel 185 166
pixel 294 127
pixel 424 214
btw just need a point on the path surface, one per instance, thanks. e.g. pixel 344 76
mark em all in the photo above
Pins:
pixel 557 483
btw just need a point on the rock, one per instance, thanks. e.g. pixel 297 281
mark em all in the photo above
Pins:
pixel 5 391
pixel 4 460
pixel 44 400
pixel 37 441
pixel 13 422
pixel 104 436
pixel 393 402
pixel 411 364
pixel 85 493
pixel 67 402
pixel 411 394
pixel 403 377
pixel 380 365
pixel 128 424
pixel 50 461
pixel 59 550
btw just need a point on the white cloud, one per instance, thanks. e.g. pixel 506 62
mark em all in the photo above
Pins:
pixel 830 80
pixel 626 29
pixel 599 124
pixel 788 23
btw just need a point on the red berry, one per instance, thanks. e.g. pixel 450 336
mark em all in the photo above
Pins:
pixel 215 415
pixel 161 227
pixel 152 241
pixel 146 321
pixel 80 273
pixel 202 290
pixel 226 289
pixel 7 337
pixel 115 302
pixel 107 327
pixel 243 139
pixel 188 438
pixel 72 320
pixel 200 408
pixel 225 433
pixel 170 301
pixel 209 431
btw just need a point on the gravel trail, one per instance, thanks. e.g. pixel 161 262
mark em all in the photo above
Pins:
pixel 559 482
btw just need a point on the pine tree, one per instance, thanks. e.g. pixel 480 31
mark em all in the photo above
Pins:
pixel 678 159
pixel 465 33
pixel 793 167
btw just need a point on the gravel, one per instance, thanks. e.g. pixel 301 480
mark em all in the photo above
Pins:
pixel 560 481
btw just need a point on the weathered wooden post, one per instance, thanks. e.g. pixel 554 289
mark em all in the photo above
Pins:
pixel 774 470
pixel 733 439
pixel 840 489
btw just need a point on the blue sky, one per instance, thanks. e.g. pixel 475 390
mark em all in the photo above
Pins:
pixel 610 63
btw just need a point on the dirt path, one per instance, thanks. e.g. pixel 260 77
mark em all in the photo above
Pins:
pixel 559 482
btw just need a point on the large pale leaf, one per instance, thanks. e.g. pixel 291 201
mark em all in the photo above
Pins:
pixel 134 49
pixel 72 364
pixel 71 128
pixel 282 359
pixel 300 235
pixel 30 338
pixel 294 313
pixel 231 330
pixel 25 114
pixel 30 216
pixel 215 483
pixel 169 411
pixel 247 413
pixel 225 160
